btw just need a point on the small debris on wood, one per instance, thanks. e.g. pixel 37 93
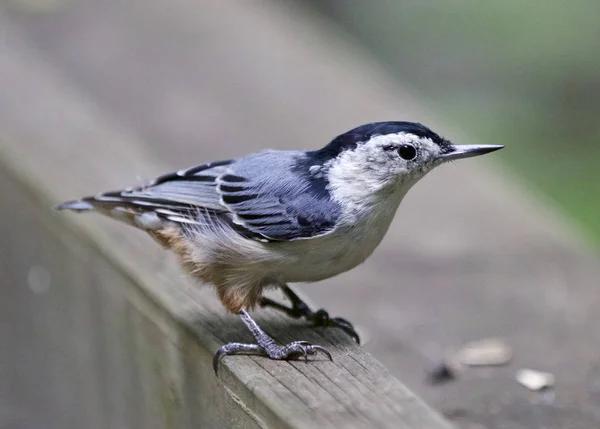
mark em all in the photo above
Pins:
pixel 441 373
pixel 535 380
pixel 491 351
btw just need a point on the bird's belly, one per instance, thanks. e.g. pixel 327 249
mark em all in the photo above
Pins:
pixel 322 258
pixel 321 266
pixel 348 246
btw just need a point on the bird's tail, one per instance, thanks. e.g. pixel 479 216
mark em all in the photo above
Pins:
pixel 144 214
pixel 103 202
pixel 109 204
pixel 82 205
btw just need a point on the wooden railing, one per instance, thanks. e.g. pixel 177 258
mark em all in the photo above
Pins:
pixel 104 330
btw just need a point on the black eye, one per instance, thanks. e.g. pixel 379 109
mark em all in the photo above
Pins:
pixel 407 152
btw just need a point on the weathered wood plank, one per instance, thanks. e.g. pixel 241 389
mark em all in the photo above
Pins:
pixel 143 314
pixel 466 258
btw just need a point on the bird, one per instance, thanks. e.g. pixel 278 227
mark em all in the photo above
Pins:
pixel 274 217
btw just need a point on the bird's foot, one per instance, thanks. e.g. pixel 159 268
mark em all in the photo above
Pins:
pixel 300 309
pixel 321 318
pixel 267 346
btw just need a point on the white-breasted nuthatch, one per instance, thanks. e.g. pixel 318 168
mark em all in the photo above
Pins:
pixel 274 217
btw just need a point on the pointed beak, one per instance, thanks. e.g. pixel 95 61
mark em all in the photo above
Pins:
pixel 467 151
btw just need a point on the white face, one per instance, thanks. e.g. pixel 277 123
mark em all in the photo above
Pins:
pixel 386 164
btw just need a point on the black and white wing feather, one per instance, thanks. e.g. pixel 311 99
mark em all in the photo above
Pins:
pixel 266 196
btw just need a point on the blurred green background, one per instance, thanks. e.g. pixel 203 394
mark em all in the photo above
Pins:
pixel 523 74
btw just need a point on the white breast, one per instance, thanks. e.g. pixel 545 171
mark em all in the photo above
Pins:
pixel 348 246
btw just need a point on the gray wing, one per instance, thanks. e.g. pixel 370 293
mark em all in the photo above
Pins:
pixel 279 202
pixel 272 194
pixel 264 196
pixel 184 189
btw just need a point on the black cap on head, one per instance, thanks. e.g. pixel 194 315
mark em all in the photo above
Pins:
pixel 361 134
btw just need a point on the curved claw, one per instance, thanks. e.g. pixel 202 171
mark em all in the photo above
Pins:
pixel 232 349
pixel 318 318
pixel 305 346
pixel 350 331
pixel 321 318
pixel 340 321
pixel 305 349
pixel 217 359
pixel 322 350
pixel 301 349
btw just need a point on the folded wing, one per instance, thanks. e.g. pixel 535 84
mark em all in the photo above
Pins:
pixel 278 203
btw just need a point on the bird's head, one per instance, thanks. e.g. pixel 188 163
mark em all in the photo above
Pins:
pixel 389 156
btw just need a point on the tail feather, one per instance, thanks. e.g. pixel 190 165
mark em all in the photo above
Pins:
pixel 75 205
pixel 111 207
pixel 100 202
pixel 139 211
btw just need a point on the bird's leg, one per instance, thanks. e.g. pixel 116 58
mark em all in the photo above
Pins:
pixel 300 309
pixel 266 346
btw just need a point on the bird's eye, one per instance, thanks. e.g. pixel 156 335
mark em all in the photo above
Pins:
pixel 407 152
